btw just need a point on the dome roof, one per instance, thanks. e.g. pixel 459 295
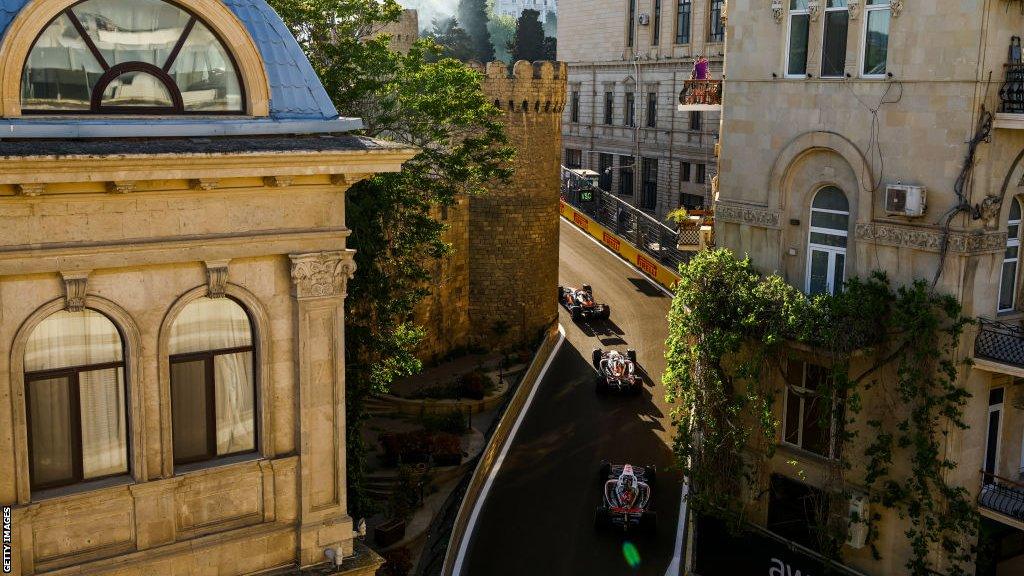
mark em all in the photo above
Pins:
pixel 295 90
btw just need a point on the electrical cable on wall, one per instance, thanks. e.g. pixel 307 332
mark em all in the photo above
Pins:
pixel 874 148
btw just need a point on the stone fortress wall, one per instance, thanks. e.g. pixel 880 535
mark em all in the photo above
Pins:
pixel 506 241
pixel 403 33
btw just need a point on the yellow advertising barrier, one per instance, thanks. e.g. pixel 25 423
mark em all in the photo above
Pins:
pixel 661 274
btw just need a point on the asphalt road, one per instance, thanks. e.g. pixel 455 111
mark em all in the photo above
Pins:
pixel 539 516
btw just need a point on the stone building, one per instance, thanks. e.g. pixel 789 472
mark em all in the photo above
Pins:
pixel 514 8
pixel 627 63
pixel 405 32
pixel 500 283
pixel 173 275
pixel 831 111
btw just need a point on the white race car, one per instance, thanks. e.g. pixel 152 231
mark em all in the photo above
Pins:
pixel 626 492
pixel 616 371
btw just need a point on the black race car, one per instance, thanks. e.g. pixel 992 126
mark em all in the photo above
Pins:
pixel 580 303
pixel 616 371
pixel 626 493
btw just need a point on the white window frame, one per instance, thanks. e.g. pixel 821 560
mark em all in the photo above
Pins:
pixel 868 9
pixel 824 24
pixel 789 41
pixel 1011 242
pixel 832 251
pixel 803 392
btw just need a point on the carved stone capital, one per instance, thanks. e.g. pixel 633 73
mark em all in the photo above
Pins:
pixel 322 274
pixel 204 183
pixel 75 286
pixel 216 277
pixel 814 9
pixel 778 11
pixel 897 8
pixel 930 239
pixel 121 186
pixel 278 181
pixel 33 189
pixel 854 7
pixel 989 210
pixel 750 215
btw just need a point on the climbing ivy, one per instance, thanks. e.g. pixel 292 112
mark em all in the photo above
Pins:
pixel 893 385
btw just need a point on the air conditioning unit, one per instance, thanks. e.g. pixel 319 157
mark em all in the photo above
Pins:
pixel 903 200
pixel 645 19
pixel 858 535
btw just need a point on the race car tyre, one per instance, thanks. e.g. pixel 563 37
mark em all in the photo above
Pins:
pixel 604 471
pixel 576 313
pixel 561 293
pixel 631 354
pixel 595 358
pixel 600 518
pixel 606 313
pixel 600 385
pixel 649 522
pixel 588 289
pixel 651 475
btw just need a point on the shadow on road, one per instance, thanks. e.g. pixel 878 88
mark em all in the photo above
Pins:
pixel 644 286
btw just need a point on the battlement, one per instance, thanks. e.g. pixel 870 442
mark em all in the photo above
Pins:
pixel 403 33
pixel 538 87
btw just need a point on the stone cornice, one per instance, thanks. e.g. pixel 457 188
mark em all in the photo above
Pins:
pixel 191 166
pixel 930 239
pixel 322 274
pixel 750 215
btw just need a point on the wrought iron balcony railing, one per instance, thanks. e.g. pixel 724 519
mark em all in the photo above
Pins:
pixel 1000 342
pixel 701 93
pixel 1011 93
pixel 1002 495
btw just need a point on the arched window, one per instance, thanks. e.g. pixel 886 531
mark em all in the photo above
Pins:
pixel 75 399
pixel 826 251
pixel 1008 282
pixel 129 57
pixel 212 386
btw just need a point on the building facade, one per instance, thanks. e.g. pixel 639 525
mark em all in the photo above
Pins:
pixel 627 61
pixel 514 8
pixel 837 115
pixel 172 287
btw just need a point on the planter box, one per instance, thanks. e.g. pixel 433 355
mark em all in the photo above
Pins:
pixel 389 533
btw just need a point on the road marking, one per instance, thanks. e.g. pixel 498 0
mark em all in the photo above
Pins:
pixel 619 258
pixel 471 525
pixel 675 568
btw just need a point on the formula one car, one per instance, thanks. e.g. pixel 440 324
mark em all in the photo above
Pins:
pixel 580 303
pixel 626 492
pixel 616 371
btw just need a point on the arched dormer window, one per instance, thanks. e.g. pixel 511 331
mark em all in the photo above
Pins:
pixel 129 57
pixel 826 250
pixel 1008 281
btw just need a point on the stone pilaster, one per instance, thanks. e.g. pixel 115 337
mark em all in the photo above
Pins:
pixel 319 282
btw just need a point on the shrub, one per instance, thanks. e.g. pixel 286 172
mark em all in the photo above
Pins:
pixel 397 562
pixel 474 385
pixel 451 422
pixel 406 447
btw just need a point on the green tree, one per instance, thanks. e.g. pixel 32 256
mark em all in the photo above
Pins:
pixel 452 39
pixel 528 43
pixel 436 106
pixel 503 31
pixel 472 14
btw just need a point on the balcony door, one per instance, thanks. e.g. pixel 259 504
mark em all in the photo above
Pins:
pixel 995 412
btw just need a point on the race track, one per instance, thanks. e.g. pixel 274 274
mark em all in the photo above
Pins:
pixel 538 516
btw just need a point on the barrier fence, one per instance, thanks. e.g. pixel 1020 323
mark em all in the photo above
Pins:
pixel 644 232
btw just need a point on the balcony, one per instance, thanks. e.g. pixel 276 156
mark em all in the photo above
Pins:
pixel 701 96
pixel 999 347
pixel 1011 93
pixel 1002 496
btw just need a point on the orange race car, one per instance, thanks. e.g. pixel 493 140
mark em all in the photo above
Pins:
pixel 581 305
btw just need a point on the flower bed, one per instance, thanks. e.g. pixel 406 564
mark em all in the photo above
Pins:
pixel 443 448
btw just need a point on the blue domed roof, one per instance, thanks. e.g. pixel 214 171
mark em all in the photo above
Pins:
pixel 296 93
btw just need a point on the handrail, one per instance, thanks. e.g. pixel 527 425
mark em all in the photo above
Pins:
pixel 1014 483
pixel 1000 342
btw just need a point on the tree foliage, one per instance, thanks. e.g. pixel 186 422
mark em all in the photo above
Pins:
pixel 528 43
pixel 472 15
pixel 732 333
pixel 452 39
pixel 435 106
pixel 503 31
